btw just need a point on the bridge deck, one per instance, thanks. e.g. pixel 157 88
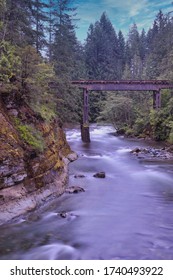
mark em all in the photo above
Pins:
pixel 165 82
pixel 148 85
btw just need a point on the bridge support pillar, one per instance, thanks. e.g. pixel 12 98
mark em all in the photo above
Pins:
pixel 85 134
pixel 156 99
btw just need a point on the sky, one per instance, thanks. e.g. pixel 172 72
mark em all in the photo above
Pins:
pixel 122 13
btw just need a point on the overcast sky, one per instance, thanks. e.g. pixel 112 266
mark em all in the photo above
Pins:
pixel 122 13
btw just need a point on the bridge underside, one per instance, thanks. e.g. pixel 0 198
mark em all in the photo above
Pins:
pixel 153 85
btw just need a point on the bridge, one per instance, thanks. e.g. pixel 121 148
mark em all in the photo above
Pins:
pixel 123 85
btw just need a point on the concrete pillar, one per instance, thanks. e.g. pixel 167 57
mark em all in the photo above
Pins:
pixel 156 99
pixel 85 134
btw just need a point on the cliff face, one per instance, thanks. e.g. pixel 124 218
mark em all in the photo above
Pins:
pixel 34 156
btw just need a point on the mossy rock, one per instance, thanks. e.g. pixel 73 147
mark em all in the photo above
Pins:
pixel 59 165
pixel 31 135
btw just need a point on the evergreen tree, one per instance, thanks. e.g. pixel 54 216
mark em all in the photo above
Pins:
pixel 121 54
pixel 102 58
pixel 128 54
pixel 17 22
pixel 2 19
pixel 166 66
pixel 160 39
pixel 50 28
pixel 65 55
pixel 133 48
pixel 65 42
pixel 151 35
pixel 143 46
pixel 91 52
pixel 134 40
pixel 102 50
pixel 39 18
pixel 161 21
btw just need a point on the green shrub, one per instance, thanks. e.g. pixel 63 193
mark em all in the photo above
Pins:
pixel 139 126
pixel 10 62
pixel 170 139
pixel 129 132
pixel 47 111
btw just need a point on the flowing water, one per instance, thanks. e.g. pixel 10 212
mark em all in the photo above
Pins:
pixel 127 215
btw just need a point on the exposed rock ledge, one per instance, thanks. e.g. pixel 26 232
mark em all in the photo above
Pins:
pixel 34 158
pixel 19 201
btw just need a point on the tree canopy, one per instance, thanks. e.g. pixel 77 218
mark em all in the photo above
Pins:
pixel 40 55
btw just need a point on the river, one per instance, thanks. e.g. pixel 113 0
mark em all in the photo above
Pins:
pixel 127 215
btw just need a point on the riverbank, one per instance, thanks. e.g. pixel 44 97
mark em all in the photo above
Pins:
pixel 34 158
pixel 155 151
pixel 17 202
pixel 153 154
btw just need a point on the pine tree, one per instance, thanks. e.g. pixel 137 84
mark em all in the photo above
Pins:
pixel 160 40
pixel 128 54
pixel 65 42
pixel 50 28
pixel 102 50
pixel 39 18
pixel 143 46
pixel 2 19
pixel 65 53
pixel 134 52
pixel 161 21
pixel 121 54
pixel 134 40
pixel 17 23
pixel 91 52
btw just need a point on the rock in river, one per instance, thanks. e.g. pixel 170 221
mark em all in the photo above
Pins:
pixel 79 176
pixel 74 189
pixel 66 215
pixel 63 215
pixel 100 175
pixel 136 150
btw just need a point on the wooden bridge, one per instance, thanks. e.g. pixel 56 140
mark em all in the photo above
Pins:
pixel 123 85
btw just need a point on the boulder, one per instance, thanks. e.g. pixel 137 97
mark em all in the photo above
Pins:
pixel 79 176
pixel 100 175
pixel 33 217
pixel 66 215
pixel 136 150
pixel 74 189
pixel 63 214
pixel 72 157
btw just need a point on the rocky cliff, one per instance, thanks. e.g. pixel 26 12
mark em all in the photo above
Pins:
pixel 34 156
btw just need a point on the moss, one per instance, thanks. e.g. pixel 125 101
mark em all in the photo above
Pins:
pixel 59 164
pixel 62 143
pixel 30 135
pixel 9 140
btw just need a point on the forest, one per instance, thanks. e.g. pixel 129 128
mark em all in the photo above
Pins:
pixel 40 55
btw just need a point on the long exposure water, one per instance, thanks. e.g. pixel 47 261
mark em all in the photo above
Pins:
pixel 127 215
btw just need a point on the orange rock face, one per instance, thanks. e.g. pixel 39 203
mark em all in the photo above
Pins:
pixel 32 152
